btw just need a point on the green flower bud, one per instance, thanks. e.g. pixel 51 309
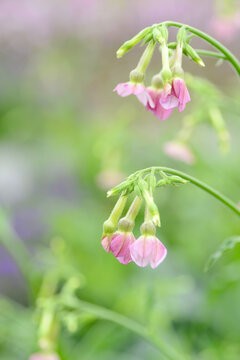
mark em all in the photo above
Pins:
pixel 148 228
pixel 136 76
pixel 157 81
pixel 125 225
pixel 193 54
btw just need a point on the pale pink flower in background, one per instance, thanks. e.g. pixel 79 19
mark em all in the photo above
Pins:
pixel 155 106
pixel 42 356
pixel 129 88
pixel 179 151
pixel 109 178
pixel 178 96
pixel 120 246
pixel 147 249
pixel 226 28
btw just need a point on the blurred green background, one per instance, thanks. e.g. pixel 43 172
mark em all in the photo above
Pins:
pixel 65 138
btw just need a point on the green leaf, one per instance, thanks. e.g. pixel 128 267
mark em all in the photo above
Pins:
pixel 227 245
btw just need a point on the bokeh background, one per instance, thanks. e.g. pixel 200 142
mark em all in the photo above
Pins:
pixel 65 138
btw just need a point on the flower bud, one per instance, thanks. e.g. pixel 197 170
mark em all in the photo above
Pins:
pixel 132 42
pixel 193 54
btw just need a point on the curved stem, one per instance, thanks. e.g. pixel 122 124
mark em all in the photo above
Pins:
pixel 229 55
pixel 211 53
pixel 129 324
pixel 217 195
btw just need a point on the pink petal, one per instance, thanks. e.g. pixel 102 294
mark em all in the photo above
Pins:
pixel 162 113
pixel 153 98
pixel 120 247
pixel 181 91
pixel 137 88
pixel 170 102
pixel 141 250
pixel 159 253
pixel 123 89
pixel 106 240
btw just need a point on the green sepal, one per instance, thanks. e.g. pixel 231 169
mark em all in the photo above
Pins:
pixel 132 42
pixel 190 52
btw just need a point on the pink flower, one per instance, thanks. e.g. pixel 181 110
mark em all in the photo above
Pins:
pixel 42 356
pixel 126 89
pixel 120 246
pixel 179 151
pixel 148 249
pixel 176 96
pixel 226 28
pixel 106 241
pixel 155 106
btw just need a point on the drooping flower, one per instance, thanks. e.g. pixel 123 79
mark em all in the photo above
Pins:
pixel 156 107
pixel 179 151
pixel 130 88
pixel 120 246
pixel 44 356
pixel 110 224
pixel 176 96
pixel 119 242
pixel 147 249
pixel 106 241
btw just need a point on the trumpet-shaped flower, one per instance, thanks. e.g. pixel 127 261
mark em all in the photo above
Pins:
pixel 147 249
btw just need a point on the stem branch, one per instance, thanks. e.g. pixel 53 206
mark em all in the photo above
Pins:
pixel 217 195
pixel 227 53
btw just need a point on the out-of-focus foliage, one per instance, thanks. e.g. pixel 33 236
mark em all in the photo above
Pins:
pixel 65 138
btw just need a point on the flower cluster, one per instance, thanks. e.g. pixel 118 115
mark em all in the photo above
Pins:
pixel 118 237
pixel 168 89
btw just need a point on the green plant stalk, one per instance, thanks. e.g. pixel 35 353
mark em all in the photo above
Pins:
pixel 229 55
pixel 216 194
pixel 129 324
pixel 217 55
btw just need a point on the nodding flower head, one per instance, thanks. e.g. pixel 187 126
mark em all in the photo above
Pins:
pixel 134 87
pixel 44 356
pixel 176 96
pixel 122 240
pixel 147 249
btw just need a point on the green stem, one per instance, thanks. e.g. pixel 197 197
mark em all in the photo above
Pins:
pixel 229 55
pixel 217 195
pixel 129 324
pixel 217 55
